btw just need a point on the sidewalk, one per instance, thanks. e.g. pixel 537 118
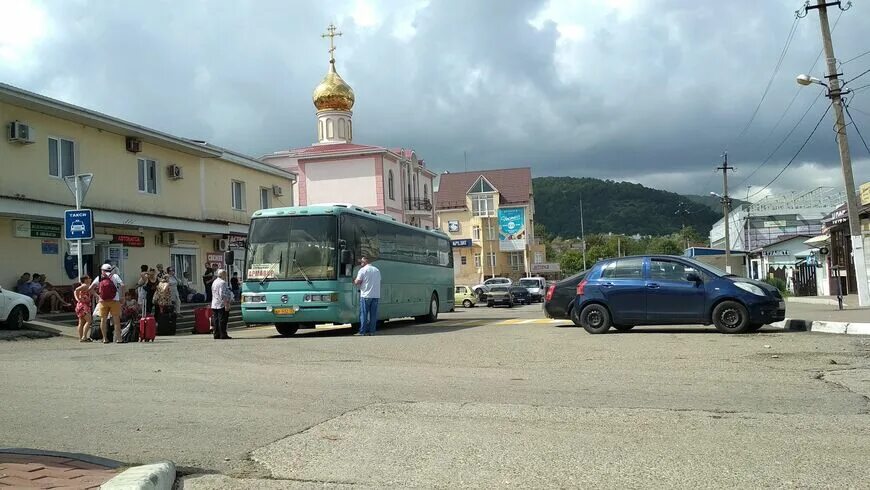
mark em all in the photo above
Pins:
pixel 821 314
pixel 28 468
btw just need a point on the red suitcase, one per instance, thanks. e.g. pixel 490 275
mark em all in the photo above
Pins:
pixel 147 329
pixel 202 320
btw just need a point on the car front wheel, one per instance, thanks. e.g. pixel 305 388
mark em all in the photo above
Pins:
pixel 468 303
pixel 16 318
pixel 731 317
pixel 595 319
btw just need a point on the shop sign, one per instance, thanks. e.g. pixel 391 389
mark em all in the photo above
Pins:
pixel 238 241
pixel 35 229
pixel 453 226
pixel 129 240
pixel 545 267
pixel 50 247
pixel 775 224
pixel 215 259
pixel 465 242
pixel 775 252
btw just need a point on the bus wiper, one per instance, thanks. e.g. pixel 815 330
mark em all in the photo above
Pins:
pixel 301 269
pixel 266 276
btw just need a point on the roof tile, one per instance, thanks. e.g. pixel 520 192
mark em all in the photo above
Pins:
pixel 513 184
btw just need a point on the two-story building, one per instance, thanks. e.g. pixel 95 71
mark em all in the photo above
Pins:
pixel 489 216
pixel 156 198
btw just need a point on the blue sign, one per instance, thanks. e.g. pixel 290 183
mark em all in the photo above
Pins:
pixel 465 242
pixel 78 224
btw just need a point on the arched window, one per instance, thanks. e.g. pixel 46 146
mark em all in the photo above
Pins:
pixel 390 192
pixel 425 192
pixel 341 128
pixel 416 190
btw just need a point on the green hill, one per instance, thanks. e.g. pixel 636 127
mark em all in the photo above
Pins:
pixel 617 207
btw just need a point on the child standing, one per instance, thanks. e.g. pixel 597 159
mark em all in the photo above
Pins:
pixel 83 309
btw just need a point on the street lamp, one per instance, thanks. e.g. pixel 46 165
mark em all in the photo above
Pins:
pixel 835 93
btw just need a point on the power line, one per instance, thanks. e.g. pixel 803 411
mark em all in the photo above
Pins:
pixel 772 76
pixel 855 125
pixel 787 165
pixel 859 76
pixel 865 53
pixel 786 138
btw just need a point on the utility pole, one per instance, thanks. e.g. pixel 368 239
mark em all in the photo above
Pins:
pixel 726 206
pixel 582 233
pixel 835 93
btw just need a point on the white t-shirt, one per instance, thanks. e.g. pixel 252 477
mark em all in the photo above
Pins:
pixel 370 286
pixel 115 279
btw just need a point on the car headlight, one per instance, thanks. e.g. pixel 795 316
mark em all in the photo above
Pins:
pixel 323 298
pixel 253 298
pixel 751 288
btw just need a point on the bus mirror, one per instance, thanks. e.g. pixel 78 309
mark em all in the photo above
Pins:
pixel 346 257
pixel 229 257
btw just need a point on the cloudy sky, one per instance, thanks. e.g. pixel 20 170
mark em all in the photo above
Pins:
pixel 651 91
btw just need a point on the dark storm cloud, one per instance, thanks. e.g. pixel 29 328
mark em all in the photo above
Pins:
pixel 653 95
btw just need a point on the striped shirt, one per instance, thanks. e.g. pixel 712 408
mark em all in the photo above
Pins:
pixel 220 294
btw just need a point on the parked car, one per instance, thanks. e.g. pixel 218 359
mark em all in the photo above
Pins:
pixel 537 287
pixel 489 283
pixel 15 309
pixel 499 295
pixel 520 295
pixel 669 290
pixel 464 296
pixel 559 299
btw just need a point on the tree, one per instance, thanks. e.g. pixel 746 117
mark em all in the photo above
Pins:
pixel 571 262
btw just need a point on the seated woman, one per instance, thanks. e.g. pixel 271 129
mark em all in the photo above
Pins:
pixel 45 292
pixel 23 284
pixel 130 309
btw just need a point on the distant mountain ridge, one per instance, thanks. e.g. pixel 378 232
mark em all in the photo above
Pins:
pixel 616 207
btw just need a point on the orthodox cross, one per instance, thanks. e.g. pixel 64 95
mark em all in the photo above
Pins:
pixel 330 33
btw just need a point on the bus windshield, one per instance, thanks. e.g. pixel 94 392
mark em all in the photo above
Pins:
pixel 293 248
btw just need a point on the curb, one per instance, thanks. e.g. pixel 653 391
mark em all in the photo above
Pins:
pixel 842 328
pixel 157 476
pixel 87 458
pixel 52 328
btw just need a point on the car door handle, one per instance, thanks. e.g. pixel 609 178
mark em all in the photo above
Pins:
pixel 607 285
pixel 652 285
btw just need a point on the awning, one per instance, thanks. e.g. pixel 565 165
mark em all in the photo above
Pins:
pixel 805 253
pixel 818 240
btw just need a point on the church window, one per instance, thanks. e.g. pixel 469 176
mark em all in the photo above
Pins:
pixel 341 129
pixel 425 192
pixel 330 130
pixel 390 186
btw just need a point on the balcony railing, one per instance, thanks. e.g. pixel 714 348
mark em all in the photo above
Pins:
pixel 418 205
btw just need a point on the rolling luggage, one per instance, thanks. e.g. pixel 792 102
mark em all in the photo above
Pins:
pixel 147 329
pixel 166 320
pixel 202 320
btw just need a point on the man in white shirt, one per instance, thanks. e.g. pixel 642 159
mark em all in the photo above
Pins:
pixel 368 279
pixel 221 299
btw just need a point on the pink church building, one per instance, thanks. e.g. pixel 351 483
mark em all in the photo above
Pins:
pixel 390 181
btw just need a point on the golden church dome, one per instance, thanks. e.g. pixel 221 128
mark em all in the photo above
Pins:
pixel 333 93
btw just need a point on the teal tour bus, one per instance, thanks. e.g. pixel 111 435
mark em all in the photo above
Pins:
pixel 300 264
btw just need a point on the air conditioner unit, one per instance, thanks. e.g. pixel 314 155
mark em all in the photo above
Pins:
pixel 20 133
pixel 221 244
pixel 134 145
pixel 174 172
pixel 169 238
pixel 277 191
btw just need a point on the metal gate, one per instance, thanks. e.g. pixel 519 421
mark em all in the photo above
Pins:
pixel 804 280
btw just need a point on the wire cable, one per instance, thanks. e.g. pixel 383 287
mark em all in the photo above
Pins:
pixel 855 125
pixel 865 53
pixel 787 165
pixel 859 76
pixel 786 138
pixel 772 76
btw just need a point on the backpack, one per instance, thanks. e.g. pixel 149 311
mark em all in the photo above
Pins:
pixel 107 289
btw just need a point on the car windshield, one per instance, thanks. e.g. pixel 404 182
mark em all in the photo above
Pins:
pixel 295 248
pixel 707 268
pixel 530 283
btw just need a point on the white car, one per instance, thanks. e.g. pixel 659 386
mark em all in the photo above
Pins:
pixel 493 281
pixel 15 309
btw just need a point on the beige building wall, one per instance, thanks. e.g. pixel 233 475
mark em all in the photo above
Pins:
pixel 198 208
pixel 352 181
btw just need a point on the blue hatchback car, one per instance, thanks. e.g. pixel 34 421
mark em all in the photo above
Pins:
pixel 669 290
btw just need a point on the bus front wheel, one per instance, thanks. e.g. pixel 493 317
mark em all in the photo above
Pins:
pixel 432 316
pixel 286 329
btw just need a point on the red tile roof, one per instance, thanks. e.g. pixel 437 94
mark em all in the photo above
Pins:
pixel 513 184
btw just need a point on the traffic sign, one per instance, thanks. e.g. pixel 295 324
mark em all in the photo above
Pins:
pixel 78 224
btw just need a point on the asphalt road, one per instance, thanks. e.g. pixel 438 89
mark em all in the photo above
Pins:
pixel 485 398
